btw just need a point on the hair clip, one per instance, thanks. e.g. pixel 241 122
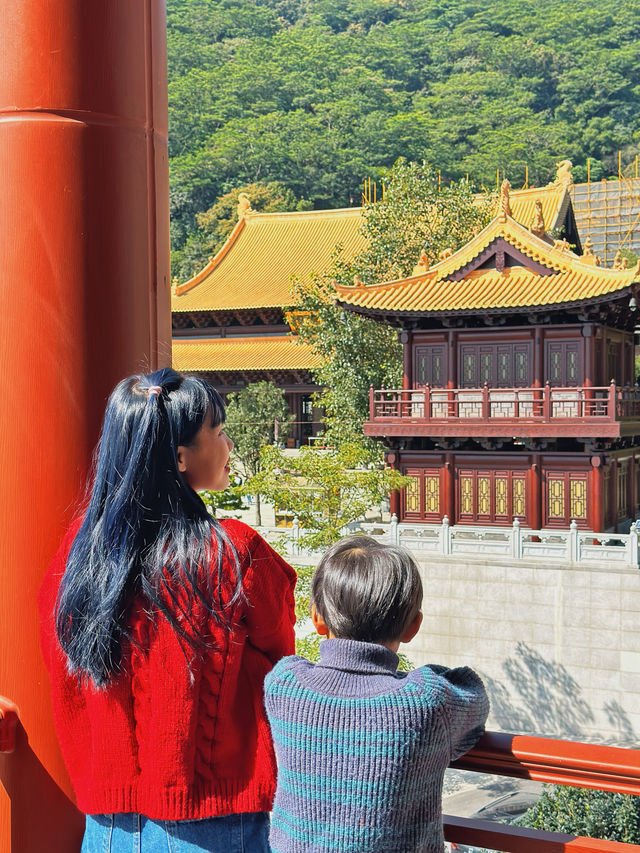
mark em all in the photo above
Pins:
pixel 154 390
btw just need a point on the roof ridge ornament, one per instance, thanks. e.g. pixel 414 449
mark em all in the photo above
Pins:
pixel 537 225
pixel 564 177
pixel 588 256
pixel 504 207
pixel 620 262
pixel 244 205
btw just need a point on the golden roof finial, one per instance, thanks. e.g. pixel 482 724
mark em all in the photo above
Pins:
pixel 445 253
pixel 562 245
pixel 617 261
pixel 244 205
pixel 537 226
pixel 587 253
pixel 504 207
pixel 424 260
pixel 624 264
pixel 564 178
pixel 174 285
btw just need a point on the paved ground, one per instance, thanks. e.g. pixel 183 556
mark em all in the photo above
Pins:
pixel 466 792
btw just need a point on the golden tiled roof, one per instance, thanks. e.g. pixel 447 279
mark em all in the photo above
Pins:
pixel 254 267
pixel 275 352
pixel 572 280
pixel 554 199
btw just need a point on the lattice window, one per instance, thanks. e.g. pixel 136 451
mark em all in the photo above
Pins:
pixel 522 369
pixel 485 368
pixel 469 369
pixel 519 500
pixel 504 374
pixel 436 371
pixel 466 495
pixel 572 367
pixel 555 367
pixel 555 498
pixel 501 486
pixel 412 495
pixel 578 498
pixel 484 495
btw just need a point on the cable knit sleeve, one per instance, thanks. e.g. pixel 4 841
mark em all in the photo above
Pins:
pixel 467 707
pixel 268 585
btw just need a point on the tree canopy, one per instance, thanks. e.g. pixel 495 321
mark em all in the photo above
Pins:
pixel 418 214
pixel 319 94
pixel 580 811
pixel 256 416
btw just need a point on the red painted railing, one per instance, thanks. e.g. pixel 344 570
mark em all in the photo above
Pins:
pixel 547 410
pixel 544 404
pixel 545 760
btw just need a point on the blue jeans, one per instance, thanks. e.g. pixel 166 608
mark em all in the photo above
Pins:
pixel 135 833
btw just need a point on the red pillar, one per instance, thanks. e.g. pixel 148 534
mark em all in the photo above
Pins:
pixel 448 503
pixel 534 510
pixel 85 296
pixel 395 507
pixel 405 338
pixel 597 495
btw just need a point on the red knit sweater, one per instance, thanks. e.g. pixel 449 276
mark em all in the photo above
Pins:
pixel 160 740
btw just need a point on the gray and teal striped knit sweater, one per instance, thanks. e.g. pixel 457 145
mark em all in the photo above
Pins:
pixel 362 749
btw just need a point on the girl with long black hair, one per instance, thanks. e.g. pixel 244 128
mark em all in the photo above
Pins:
pixel 159 624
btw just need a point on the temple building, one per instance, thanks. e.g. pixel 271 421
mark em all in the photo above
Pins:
pixel 518 397
pixel 231 320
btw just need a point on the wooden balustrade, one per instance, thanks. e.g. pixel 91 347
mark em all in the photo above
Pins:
pixel 561 762
pixel 531 409
pixel 546 760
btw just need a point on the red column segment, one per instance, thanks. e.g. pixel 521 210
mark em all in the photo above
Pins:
pixel 85 295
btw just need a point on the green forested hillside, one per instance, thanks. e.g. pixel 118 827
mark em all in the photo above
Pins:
pixel 319 94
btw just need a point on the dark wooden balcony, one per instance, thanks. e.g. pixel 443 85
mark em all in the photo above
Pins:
pixel 545 412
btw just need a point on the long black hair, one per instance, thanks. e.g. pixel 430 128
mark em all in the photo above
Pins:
pixel 144 528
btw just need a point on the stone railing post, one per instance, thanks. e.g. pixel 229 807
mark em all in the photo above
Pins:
pixel 295 536
pixel 632 546
pixel 572 542
pixel 516 540
pixel 445 543
pixel 393 529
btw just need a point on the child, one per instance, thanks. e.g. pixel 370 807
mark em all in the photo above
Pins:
pixel 362 748
pixel 158 626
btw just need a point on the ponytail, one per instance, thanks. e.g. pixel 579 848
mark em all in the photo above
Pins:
pixel 144 529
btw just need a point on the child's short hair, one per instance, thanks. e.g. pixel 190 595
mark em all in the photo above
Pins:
pixel 366 591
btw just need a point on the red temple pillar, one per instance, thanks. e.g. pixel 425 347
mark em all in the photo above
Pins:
pixel 535 497
pixel 448 487
pixel 407 363
pixel 85 295
pixel 394 498
pixel 596 503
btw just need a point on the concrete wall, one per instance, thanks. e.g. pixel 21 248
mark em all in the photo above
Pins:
pixel 557 646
